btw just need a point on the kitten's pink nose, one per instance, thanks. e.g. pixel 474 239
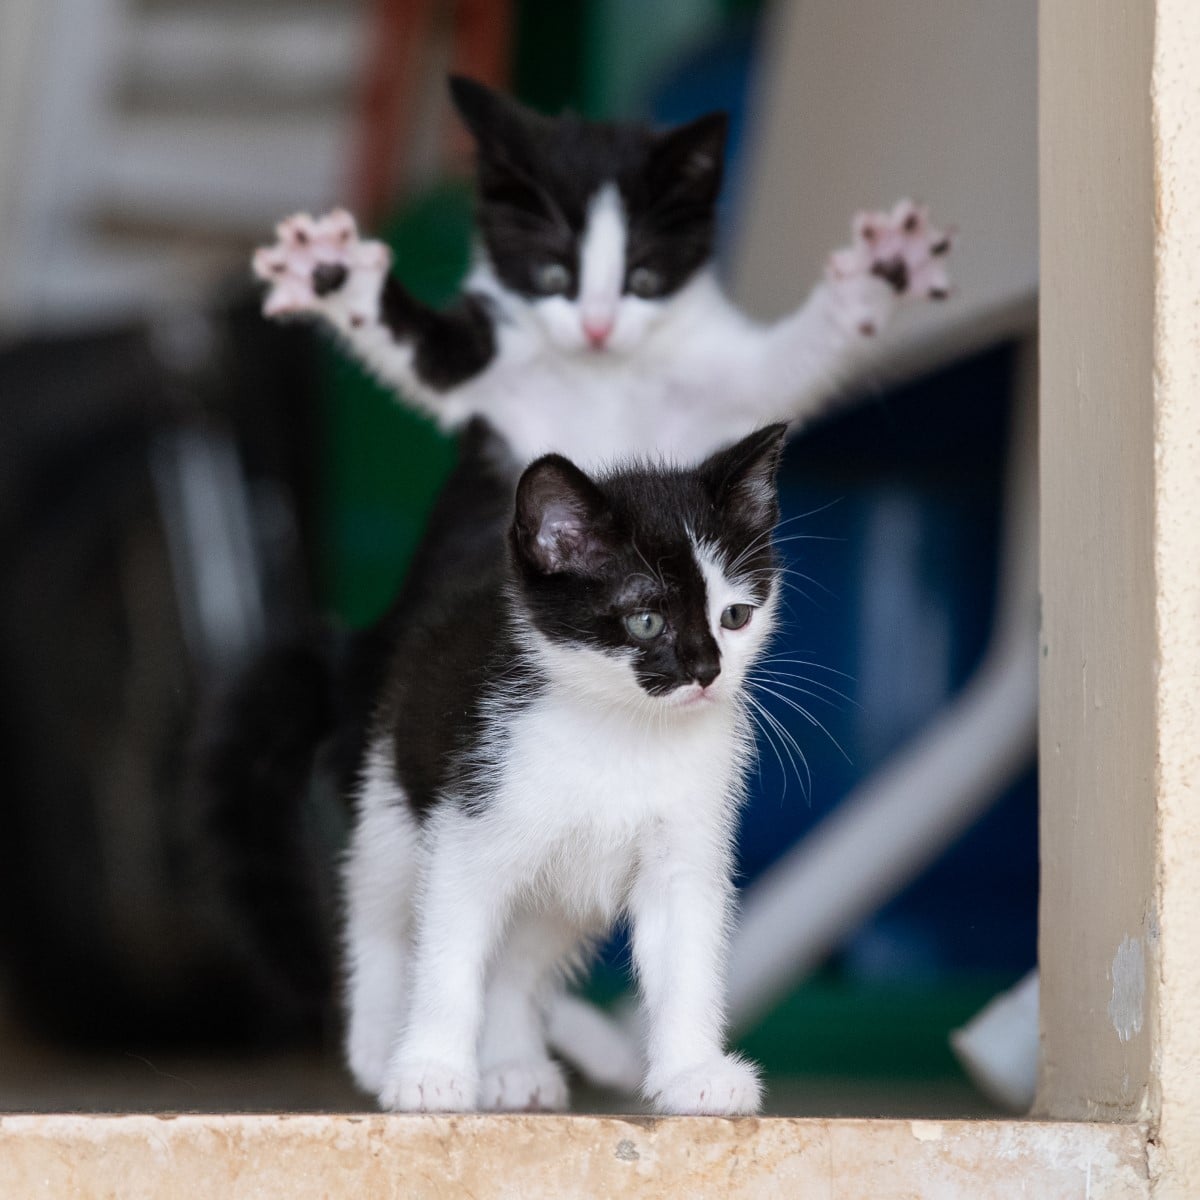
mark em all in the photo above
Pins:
pixel 597 330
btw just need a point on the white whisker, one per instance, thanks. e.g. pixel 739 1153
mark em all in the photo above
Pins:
pixel 807 716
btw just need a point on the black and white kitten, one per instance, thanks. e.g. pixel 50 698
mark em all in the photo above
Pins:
pixel 561 744
pixel 592 323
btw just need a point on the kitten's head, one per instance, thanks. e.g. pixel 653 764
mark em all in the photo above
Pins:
pixel 651 583
pixel 596 225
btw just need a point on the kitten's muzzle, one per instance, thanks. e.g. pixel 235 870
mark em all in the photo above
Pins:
pixel 693 695
pixel 699 660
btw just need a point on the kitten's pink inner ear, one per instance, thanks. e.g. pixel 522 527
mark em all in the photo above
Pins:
pixel 560 536
pixel 561 521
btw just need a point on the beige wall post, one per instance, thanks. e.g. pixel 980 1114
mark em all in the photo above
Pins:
pixel 1120 725
pixel 1097 487
pixel 1175 96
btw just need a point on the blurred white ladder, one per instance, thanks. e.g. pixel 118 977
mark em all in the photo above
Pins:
pixel 143 145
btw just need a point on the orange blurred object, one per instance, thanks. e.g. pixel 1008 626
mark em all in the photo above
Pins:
pixel 399 33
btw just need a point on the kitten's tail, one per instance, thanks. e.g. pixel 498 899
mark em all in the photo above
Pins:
pixel 268 835
pixel 600 1046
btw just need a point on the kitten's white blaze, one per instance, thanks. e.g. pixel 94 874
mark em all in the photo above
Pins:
pixel 602 264
pixel 739 647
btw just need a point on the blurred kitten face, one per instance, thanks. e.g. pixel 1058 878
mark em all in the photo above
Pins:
pixel 596 226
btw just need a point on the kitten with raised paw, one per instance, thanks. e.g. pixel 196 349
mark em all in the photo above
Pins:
pixel 570 753
pixel 592 322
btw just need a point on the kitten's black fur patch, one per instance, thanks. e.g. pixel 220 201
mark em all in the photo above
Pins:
pixel 429 653
pixel 451 345
pixel 536 175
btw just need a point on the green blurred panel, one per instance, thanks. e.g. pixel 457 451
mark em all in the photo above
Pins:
pixel 549 53
pixel 385 463
pixel 875 1031
pixel 830 1026
pixel 632 44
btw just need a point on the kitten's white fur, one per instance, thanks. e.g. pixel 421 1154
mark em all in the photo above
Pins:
pixel 604 801
pixel 676 378
pixel 680 376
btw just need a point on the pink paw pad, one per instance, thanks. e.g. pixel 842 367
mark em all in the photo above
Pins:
pixel 312 259
pixel 901 248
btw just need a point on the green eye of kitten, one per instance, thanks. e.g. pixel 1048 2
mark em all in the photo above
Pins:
pixel 736 616
pixel 644 625
pixel 645 282
pixel 551 278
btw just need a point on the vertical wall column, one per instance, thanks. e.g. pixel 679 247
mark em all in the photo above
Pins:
pixel 1098 693
pixel 1120 558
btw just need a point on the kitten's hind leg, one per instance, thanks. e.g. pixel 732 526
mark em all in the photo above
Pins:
pixel 517 1072
pixel 379 874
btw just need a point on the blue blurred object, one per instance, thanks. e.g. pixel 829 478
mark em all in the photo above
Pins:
pixel 893 610
pixel 718 75
pixel 908 489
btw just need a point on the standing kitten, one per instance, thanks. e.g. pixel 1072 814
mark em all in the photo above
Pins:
pixel 592 323
pixel 561 743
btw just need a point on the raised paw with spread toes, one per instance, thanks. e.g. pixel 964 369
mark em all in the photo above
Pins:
pixel 894 256
pixel 320 265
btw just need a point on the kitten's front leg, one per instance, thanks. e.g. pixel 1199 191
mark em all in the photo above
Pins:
pixel 460 912
pixel 893 257
pixel 680 909
pixel 379 870
pixel 320 267
pixel 793 369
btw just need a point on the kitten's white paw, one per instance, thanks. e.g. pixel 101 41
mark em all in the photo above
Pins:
pixel 894 256
pixel 427 1087
pixel 723 1087
pixel 369 1046
pixel 320 265
pixel 525 1087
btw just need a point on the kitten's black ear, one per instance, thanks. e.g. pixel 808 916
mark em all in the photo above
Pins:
pixel 562 523
pixel 494 119
pixel 742 476
pixel 694 154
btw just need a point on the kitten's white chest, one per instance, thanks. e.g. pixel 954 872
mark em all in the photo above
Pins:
pixel 667 400
pixel 602 769
pixel 583 790
pixel 594 417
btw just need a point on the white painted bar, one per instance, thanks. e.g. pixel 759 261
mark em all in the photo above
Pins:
pixel 1120 728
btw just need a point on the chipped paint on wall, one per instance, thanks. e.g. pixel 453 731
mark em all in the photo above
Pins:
pixel 1127 1006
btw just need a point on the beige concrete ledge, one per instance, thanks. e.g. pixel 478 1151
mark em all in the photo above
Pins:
pixel 317 1157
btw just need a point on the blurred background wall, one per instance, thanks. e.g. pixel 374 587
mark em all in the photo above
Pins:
pixel 182 482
